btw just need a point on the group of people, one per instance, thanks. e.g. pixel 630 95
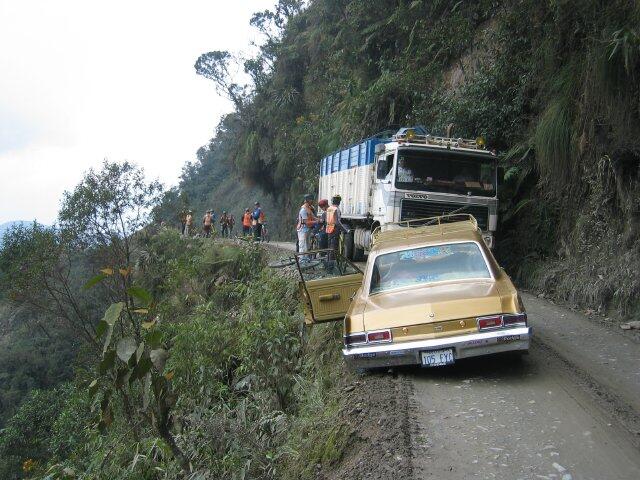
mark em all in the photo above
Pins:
pixel 326 224
pixel 252 223
pixel 227 222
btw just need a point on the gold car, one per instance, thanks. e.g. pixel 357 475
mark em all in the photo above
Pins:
pixel 429 295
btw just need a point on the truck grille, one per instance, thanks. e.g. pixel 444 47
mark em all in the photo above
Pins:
pixel 414 209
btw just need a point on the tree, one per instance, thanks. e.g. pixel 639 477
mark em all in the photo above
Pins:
pixel 36 270
pixel 103 213
pixel 215 66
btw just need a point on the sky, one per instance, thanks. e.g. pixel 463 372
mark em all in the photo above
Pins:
pixel 85 80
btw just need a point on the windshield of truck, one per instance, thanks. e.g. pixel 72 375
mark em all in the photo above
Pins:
pixel 446 171
pixel 425 265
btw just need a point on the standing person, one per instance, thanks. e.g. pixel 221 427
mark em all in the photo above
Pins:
pixel 183 220
pixel 257 219
pixel 306 222
pixel 232 222
pixel 334 223
pixel 206 223
pixel 323 239
pixel 187 223
pixel 246 222
pixel 224 224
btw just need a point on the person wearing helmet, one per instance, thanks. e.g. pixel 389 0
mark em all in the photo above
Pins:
pixel 224 224
pixel 232 222
pixel 334 225
pixel 323 240
pixel 246 222
pixel 257 219
pixel 304 227
pixel 207 220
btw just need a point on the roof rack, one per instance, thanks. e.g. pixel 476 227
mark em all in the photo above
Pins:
pixel 411 136
pixel 424 227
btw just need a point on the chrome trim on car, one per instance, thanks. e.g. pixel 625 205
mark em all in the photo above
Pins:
pixel 465 346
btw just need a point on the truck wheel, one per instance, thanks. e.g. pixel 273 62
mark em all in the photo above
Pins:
pixel 347 242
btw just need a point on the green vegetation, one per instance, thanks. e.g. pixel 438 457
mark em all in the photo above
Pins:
pixel 553 85
pixel 192 360
pixel 188 357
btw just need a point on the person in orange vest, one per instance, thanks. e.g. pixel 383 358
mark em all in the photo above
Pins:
pixel 246 222
pixel 207 220
pixel 304 227
pixel 334 222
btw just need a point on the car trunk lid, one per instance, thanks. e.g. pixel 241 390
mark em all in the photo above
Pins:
pixel 430 304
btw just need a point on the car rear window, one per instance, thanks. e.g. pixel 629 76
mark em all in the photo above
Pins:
pixel 420 266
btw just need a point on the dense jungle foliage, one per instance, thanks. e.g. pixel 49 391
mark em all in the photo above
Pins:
pixel 553 85
pixel 189 357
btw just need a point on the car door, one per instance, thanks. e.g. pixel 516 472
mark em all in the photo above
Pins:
pixel 328 283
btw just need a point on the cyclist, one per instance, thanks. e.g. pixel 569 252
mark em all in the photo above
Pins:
pixel 206 223
pixel 257 219
pixel 246 222
pixel 224 224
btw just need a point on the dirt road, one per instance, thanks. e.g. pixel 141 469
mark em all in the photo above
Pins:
pixel 568 410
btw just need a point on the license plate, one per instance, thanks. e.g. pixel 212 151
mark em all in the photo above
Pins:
pixel 435 358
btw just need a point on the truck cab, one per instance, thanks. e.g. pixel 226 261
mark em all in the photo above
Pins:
pixel 408 176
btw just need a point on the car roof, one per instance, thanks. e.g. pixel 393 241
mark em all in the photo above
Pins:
pixel 402 238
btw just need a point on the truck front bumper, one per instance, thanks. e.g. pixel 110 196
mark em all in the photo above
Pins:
pixel 463 346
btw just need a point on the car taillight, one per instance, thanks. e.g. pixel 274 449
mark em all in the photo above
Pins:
pixel 485 323
pixel 355 338
pixel 514 319
pixel 380 336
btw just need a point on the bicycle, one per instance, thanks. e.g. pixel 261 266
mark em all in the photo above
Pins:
pixel 264 234
pixel 287 262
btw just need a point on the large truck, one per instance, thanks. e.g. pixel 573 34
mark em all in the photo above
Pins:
pixel 406 176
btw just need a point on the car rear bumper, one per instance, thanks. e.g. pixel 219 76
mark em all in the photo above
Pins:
pixel 464 346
